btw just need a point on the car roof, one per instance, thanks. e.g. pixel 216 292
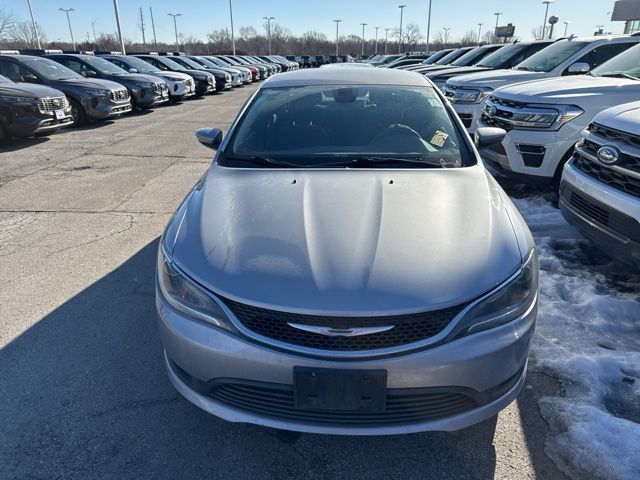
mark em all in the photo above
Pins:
pixel 346 76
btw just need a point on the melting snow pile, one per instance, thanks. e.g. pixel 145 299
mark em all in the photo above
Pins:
pixel 588 335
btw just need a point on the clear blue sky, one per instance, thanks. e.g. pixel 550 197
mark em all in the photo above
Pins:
pixel 202 16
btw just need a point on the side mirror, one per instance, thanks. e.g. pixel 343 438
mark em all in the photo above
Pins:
pixel 30 78
pixel 89 74
pixel 209 137
pixel 487 136
pixel 579 68
pixel 133 70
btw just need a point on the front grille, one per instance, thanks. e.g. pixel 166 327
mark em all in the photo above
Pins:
pixel 589 209
pixel 496 122
pixel 507 103
pixel 159 88
pixel 614 178
pixel 119 95
pixel 626 161
pixel 53 103
pixel 407 328
pixel 467 119
pixel 401 405
pixel 613 135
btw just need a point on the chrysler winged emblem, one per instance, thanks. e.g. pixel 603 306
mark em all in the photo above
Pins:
pixel 340 332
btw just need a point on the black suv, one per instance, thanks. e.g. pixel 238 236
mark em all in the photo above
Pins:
pixel 146 91
pixel 205 82
pixel 222 78
pixel 90 99
pixel 31 110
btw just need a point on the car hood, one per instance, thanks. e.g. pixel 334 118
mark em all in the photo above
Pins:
pixel 625 118
pixel 27 90
pixel 563 90
pixel 348 241
pixel 172 75
pixel 454 71
pixel 89 83
pixel 495 78
pixel 134 77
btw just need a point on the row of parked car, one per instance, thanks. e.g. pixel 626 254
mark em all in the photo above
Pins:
pixel 42 91
pixel 315 61
pixel 553 100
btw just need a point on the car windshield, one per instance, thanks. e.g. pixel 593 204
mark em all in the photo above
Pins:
pixel 187 62
pixel 242 60
pixel 140 65
pixel 206 62
pixel 435 57
pixel 552 56
pixel 103 66
pixel 501 56
pixel 51 70
pixel 623 65
pixel 232 61
pixel 470 57
pixel 450 57
pixel 4 79
pixel 320 126
pixel 170 64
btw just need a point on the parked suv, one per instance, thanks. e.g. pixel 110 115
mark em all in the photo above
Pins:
pixel 205 82
pixel 180 85
pixel 600 189
pixel 31 110
pixel 572 56
pixel 471 57
pixel 544 118
pixel 89 98
pixel 222 78
pixel 146 91
pixel 505 57
pixel 239 75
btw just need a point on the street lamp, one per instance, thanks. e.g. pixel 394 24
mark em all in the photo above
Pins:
pixel 175 28
pixel 428 26
pixel 566 25
pixel 67 10
pixel 337 35
pixel 268 19
pixel 117 12
pixel 401 7
pixel 546 14
pixel 479 31
pixel 386 39
pixel 377 39
pixel 446 35
pixel 363 25
pixel 35 28
pixel 233 39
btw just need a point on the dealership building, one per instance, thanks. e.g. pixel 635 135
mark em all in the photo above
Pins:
pixel 627 11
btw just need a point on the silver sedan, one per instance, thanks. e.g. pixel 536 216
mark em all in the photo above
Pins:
pixel 347 265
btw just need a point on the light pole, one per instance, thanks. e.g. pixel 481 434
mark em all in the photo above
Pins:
pixel 377 39
pixel 268 19
pixel 566 26
pixel 117 12
pixel 386 39
pixel 401 7
pixel 363 25
pixel 93 28
pixel 35 28
pixel 428 26
pixel 153 27
pixel 67 10
pixel 479 31
pixel 233 39
pixel 337 36
pixel 446 35
pixel 497 14
pixel 175 28
pixel 546 14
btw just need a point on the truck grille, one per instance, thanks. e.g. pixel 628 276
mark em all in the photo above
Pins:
pixel 159 88
pixel 120 95
pixel 53 103
pixel 613 178
pixel 406 328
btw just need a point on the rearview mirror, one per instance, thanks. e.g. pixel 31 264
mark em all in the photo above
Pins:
pixel 30 78
pixel 133 70
pixel 486 136
pixel 90 74
pixel 209 137
pixel 579 68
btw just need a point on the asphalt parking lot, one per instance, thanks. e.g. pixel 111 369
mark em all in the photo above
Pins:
pixel 82 381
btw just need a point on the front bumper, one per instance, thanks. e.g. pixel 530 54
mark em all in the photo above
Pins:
pixel 29 124
pixel 180 89
pixel 102 107
pixel 607 217
pixel 469 113
pixel 490 365
pixel 203 87
pixel 147 98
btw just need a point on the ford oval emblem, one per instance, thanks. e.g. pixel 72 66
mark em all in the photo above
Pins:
pixel 608 154
pixel 491 110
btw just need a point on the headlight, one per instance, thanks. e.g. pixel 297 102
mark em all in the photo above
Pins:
pixel 96 91
pixel 466 95
pixel 505 304
pixel 22 100
pixel 550 117
pixel 187 297
pixel 149 85
pixel 210 80
pixel 227 78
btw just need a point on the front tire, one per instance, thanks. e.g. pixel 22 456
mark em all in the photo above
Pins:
pixel 78 113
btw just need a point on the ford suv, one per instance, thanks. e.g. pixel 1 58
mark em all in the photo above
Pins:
pixel 600 189
pixel 572 56
pixel 544 119
pixel 89 98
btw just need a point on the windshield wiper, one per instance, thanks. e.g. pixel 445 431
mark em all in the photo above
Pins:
pixel 262 161
pixel 526 69
pixel 620 75
pixel 356 162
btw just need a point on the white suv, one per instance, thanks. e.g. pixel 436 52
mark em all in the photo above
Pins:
pixel 544 119
pixel 600 189
pixel 572 56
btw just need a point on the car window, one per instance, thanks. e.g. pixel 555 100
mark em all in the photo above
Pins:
pixel 4 79
pixel 604 53
pixel 624 65
pixel 73 64
pixel 450 57
pixel 13 71
pixel 552 56
pixel 472 56
pixel 50 70
pixel 319 124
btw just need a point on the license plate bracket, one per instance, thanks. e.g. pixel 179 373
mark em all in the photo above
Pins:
pixel 60 114
pixel 340 389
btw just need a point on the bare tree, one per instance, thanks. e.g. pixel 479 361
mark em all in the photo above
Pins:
pixel 21 35
pixel 6 22
pixel 469 38
pixel 538 33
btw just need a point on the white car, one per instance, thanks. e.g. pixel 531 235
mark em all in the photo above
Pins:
pixel 544 119
pixel 600 189
pixel 572 56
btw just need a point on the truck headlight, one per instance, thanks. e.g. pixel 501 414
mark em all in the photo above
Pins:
pixel 467 95
pixel 506 303
pixel 184 295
